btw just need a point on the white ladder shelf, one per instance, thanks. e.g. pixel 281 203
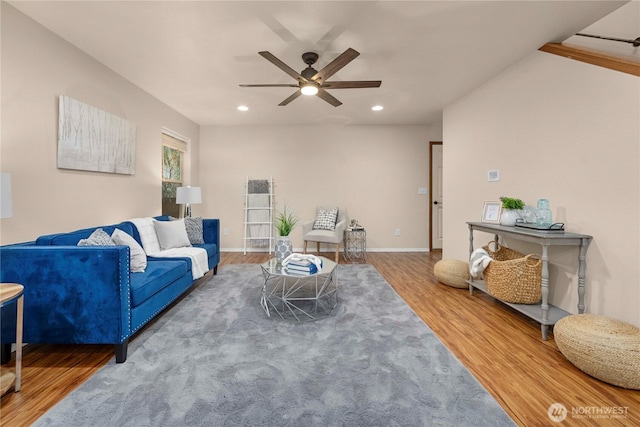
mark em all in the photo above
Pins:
pixel 258 213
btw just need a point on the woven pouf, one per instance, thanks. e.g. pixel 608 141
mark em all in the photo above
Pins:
pixel 602 347
pixel 452 272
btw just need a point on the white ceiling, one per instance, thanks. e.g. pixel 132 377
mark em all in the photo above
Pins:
pixel 193 55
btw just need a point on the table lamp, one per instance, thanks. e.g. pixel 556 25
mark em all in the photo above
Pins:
pixel 187 196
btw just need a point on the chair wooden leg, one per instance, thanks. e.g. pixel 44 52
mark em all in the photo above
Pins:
pixel 337 252
pixel 304 251
pixel 318 248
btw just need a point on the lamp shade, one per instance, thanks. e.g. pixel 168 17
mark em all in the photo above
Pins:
pixel 188 195
pixel 6 203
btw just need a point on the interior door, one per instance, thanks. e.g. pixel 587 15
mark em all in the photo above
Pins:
pixel 435 225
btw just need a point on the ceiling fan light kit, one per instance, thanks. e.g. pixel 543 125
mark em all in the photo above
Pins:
pixel 313 82
pixel 309 89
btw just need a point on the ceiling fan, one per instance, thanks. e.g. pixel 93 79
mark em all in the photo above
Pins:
pixel 313 82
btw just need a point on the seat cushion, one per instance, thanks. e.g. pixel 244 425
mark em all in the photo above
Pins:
pixel 323 236
pixel 211 248
pixel 158 275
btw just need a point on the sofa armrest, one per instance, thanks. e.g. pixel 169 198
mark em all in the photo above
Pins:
pixel 211 234
pixel 71 294
pixel 211 231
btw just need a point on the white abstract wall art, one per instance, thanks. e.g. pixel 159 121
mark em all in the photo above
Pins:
pixel 94 140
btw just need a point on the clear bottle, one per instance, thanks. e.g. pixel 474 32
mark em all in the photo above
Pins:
pixel 543 213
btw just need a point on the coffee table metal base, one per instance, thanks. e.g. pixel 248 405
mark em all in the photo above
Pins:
pixel 299 296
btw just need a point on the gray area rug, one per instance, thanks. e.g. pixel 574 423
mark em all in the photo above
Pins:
pixel 216 359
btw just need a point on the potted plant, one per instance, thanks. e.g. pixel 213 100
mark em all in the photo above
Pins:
pixel 284 222
pixel 510 210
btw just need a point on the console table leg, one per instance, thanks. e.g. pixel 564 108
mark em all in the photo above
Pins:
pixel 582 268
pixel 545 331
pixel 545 291
pixel 470 252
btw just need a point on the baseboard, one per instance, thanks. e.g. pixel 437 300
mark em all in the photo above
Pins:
pixel 299 250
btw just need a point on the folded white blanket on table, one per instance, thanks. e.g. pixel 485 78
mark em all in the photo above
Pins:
pixel 478 261
pixel 151 246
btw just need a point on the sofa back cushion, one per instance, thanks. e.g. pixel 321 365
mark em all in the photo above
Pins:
pixel 72 238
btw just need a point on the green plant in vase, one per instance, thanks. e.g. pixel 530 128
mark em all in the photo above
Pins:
pixel 511 203
pixel 510 208
pixel 284 222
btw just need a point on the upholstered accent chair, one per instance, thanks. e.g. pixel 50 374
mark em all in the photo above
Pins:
pixel 324 230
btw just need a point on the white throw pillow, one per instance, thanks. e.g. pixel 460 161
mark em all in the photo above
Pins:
pixel 138 258
pixel 148 235
pixel 171 234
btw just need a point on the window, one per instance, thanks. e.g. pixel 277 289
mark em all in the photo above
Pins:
pixel 173 150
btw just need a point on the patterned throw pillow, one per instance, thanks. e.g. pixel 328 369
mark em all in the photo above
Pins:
pixel 98 238
pixel 194 230
pixel 326 219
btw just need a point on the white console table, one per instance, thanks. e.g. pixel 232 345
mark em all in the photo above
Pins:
pixel 544 313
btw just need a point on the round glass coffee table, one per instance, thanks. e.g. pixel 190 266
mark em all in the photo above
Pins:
pixel 296 295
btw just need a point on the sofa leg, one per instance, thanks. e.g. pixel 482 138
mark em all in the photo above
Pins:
pixel 121 351
pixel 5 353
pixel 215 270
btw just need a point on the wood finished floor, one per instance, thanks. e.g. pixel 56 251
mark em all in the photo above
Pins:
pixel 501 348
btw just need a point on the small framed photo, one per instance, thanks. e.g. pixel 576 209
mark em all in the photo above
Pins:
pixel 491 212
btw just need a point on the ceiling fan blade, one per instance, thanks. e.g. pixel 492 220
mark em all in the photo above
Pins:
pixel 266 85
pixel 291 98
pixel 335 65
pixel 284 67
pixel 352 85
pixel 329 98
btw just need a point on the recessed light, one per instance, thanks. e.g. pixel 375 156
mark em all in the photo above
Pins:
pixel 243 108
pixel 377 107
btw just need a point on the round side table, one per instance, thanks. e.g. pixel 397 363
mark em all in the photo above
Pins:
pixel 9 293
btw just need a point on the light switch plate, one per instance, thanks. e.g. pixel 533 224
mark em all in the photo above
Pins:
pixel 422 191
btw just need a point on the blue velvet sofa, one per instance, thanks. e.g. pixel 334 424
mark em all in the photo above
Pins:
pixel 86 294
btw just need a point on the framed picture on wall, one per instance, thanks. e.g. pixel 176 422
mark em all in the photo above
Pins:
pixel 491 212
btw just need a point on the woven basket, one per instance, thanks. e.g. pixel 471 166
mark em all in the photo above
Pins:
pixel 605 348
pixel 512 276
